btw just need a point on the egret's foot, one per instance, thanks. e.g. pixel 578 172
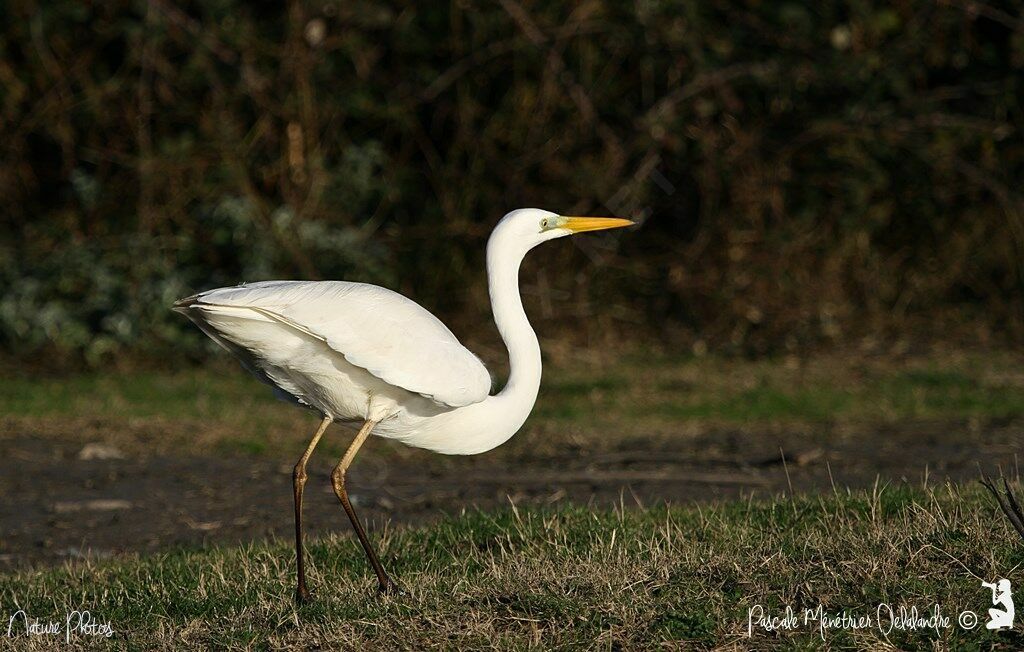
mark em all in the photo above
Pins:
pixel 388 587
pixel 302 595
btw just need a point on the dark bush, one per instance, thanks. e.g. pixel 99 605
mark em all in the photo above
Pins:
pixel 809 174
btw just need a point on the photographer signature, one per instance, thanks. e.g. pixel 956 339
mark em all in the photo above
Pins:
pixel 75 622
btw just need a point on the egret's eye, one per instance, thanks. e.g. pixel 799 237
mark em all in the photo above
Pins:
pixel 544 223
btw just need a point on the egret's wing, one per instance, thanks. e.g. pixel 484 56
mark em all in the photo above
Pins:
pixel 381 331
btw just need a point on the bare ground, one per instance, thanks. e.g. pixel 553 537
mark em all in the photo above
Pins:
pixel 61 504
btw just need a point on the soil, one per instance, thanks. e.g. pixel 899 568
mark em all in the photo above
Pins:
pixel 63 501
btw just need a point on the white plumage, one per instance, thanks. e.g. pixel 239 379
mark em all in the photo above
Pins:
pixel 367 357
pixel 392 337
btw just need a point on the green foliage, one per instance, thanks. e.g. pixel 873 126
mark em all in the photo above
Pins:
pixel 806 176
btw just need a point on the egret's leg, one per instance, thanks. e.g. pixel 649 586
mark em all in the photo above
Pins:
pixel 338 480
pixel 299 483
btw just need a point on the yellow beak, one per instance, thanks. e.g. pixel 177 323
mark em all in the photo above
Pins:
pixel 580 224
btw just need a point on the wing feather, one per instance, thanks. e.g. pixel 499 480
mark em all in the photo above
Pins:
pixel 381 331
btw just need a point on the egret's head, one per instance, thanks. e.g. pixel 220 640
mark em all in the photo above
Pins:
pixel 532 226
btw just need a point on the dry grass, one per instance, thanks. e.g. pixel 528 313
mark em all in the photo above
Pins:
pixel 667 577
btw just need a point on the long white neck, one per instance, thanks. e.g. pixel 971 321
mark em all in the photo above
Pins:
pixel 523 349
pixel 485 425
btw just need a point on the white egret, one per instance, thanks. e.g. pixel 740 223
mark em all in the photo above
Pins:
pixel 373 360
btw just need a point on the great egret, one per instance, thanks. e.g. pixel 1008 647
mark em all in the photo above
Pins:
pixel 371 359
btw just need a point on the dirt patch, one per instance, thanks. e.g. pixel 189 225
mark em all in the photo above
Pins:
pixel 65 501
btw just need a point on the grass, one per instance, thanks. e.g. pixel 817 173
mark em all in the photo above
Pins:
pixel 681 577
pixel 633 395
pixel 565 576
pixel 722 390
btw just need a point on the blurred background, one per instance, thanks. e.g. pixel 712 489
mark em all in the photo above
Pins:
pixel 842 175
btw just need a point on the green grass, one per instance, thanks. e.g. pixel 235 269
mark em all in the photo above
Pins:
pixel 823 389
pixel 221 393
pixel 222 410
pixel 654 387
pixel 681 577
